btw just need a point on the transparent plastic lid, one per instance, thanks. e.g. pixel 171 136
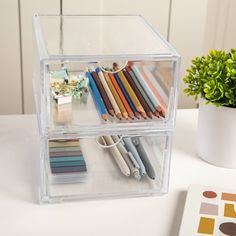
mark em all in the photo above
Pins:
pixel 96 35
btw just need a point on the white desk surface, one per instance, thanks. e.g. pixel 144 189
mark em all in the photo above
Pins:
pixel 20 215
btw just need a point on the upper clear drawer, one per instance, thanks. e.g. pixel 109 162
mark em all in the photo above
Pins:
pixel 98 35
pixel 98 74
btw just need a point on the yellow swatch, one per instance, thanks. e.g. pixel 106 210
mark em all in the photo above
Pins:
pixel 206 226
pixel 229 210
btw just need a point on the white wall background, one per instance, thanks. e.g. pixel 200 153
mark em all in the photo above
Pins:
pixel 192 27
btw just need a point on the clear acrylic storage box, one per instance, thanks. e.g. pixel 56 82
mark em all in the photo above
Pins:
pixel 105 91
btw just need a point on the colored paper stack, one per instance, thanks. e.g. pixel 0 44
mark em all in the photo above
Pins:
pixel 67 163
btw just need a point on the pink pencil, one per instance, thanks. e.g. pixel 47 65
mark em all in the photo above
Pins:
pixel 154 90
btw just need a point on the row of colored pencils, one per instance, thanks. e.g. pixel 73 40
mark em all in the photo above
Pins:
pixel 127 93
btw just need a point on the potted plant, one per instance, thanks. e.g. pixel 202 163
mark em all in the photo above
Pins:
pixel 213 79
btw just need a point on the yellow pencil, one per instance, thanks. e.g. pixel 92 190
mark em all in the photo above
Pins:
pixel 116 96
pixel 131 93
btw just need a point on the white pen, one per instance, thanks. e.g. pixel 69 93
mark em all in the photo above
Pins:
pixel 128 157
pixel 117 156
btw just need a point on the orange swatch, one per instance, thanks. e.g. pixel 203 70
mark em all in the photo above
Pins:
pixel 228 197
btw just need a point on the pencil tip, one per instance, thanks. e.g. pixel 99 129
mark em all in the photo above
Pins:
pixel 144 115
pixel 125 115
pixel 118 115
pixel 137 115
pixel 149 114
pixel 156 113
pixel 104 117
pixel 131 115
pixel 112 113
pixel 160 112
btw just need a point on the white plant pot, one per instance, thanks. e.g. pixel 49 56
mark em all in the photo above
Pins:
pixel 216 135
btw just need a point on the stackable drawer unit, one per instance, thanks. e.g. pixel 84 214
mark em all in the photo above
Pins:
pixel 105 91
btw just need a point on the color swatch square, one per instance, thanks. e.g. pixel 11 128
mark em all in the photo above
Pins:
pixel 206 225
pixel 208 209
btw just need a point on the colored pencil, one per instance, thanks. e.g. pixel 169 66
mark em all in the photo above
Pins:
pixel 116 96
pixel 146 88
pixel 157 91
pixel 128 99
pixel 122 97
pixel 131 93
pixel 140 88
pixel 138 94
pixel 103 93
pixel 97 97
pixel 163 78
pixel 109 93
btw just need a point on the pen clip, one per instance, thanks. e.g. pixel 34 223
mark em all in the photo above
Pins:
pixel 121 141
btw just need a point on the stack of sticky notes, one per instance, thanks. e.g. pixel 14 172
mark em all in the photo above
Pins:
pixel 67 163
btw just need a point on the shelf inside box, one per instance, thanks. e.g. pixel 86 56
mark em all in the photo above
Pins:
pixel 133 105
pixel 103 177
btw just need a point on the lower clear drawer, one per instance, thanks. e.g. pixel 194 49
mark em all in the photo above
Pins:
pixel 104 167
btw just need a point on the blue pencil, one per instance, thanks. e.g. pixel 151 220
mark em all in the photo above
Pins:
pixel 97 97
pixel 132 106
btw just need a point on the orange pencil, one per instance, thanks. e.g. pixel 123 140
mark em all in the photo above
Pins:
pixel 116 95
pixel 122 97
pixel 109 93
